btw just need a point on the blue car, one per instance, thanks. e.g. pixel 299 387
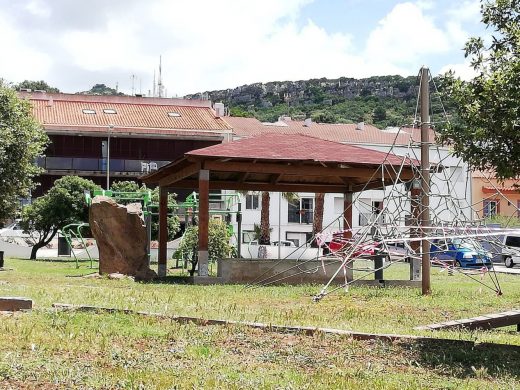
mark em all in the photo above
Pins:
pixel 465 252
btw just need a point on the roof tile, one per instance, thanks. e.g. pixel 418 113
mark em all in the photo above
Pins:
pixel 272 146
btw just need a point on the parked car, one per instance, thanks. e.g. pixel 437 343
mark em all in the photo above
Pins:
pixel 275 243
pixel 13 230
pixel 511 250
pixel 465 252
pixel 366 249
pixel 284 243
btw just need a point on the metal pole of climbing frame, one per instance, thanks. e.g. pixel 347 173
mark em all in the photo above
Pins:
pixel 425 178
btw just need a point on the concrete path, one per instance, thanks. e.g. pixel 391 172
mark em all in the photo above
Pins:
pixel 504 270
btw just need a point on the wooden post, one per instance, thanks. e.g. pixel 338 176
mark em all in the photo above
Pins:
pixel 239 223
pixel 425 178
pixel 378 266
pixel 347 214
pixel 203 221
pixel 415 263
pixel 163 231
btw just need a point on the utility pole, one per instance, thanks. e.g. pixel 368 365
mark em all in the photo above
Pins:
pixel 425 178
pixel 159 80
pixel 110 128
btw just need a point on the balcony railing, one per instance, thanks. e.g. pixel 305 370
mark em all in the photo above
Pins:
pixel 98 164
pixel 300 216
pixel 366 219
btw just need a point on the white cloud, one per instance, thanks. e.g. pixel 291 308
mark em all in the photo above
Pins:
pixel 209 45
pixel 465 11
pixel 19 60
pixel 38 8
pixel 463 70
pixel 405 35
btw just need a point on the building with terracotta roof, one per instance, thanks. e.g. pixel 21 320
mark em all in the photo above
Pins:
pixel 492 197
pixel 145 133
pixel 295 218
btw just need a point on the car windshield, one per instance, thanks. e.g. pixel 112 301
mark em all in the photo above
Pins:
pixel 468 244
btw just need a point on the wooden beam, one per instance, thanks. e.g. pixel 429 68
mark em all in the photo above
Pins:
pixel 249 186
pixel 307 170
pixel 275 178
pixel 242 177
pixel 347 214
pixel 373 185
pixel 179 175
pixel 163 231
pixel 203 221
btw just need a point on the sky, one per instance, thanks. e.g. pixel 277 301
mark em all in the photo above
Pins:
pixel 217 44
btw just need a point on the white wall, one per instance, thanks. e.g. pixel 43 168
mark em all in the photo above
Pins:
pixel 333 205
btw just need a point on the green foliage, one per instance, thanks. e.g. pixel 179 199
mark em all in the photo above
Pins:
pixel 504 221
pixel 218 244
pixel 36 85
pixel 382 100
pixel 63 204
pixel 257 232
pixel 487 134
pixel 132 186
pixel 102 89
pixel 240 112
pixel 22 141
pixel 324 117
pixel 379 114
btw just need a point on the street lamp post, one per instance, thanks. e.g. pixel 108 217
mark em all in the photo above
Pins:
pixel 110 128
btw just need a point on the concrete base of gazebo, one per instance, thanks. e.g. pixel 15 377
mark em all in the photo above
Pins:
pixel 291 272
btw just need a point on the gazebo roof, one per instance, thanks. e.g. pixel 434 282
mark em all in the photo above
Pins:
pixel 281 162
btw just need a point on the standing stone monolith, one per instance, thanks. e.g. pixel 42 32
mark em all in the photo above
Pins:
pixel 120 232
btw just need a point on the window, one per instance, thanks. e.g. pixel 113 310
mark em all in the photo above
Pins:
pixel 174 114
pixel 491 208
pixel 88 111
pixel 513 241
pixel 370 211
pixel 457 175
pixel 248 236
pixel 339 205
pixel 301 211
pixel 252 202
pixel 109 111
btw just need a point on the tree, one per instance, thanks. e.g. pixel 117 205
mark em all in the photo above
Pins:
pixel 218 243
pixel 102 89
pixel 173 220
pixel 324 117
pixel 379 114
pixel 63 204
pixel 22 141
pixel 317 221
pixel 487 136
pixel 36 85
pixel 265 228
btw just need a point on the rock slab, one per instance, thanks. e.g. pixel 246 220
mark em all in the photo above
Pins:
pixel 120 232
pixel 15 303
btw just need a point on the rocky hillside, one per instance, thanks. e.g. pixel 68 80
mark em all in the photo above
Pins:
pixel 383 100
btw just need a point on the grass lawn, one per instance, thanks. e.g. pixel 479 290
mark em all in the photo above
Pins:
pixel 48 349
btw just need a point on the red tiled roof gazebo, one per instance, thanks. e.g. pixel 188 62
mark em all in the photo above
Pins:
pixel 272 162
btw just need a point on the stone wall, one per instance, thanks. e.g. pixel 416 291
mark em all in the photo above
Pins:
pixel 279 272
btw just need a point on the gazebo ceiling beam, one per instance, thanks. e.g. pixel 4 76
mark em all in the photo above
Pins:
pixel 242 177
pixel 179 175
pixel 275 178
pixel 308 170
pixel 262 186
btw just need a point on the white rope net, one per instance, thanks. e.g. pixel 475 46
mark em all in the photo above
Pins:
pixel 457 231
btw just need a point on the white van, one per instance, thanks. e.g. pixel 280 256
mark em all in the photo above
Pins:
pixel 511 250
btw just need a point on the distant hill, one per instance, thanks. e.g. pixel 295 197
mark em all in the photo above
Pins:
pixel 381 100
pixel 101 89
